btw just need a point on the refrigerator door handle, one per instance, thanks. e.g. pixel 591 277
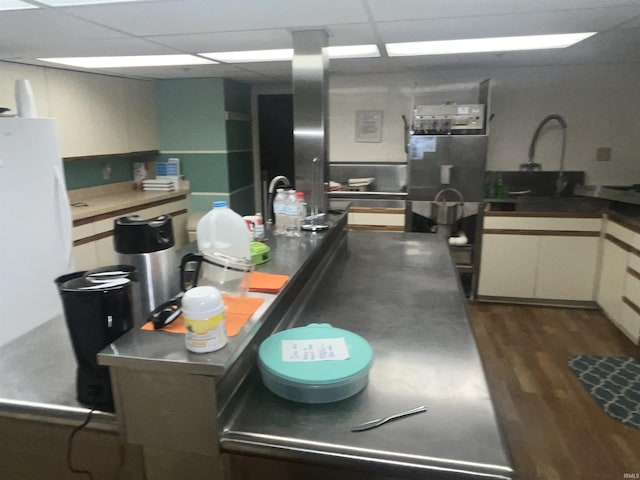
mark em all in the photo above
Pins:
pixel 64 215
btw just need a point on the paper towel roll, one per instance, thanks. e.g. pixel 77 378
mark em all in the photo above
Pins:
pixel 25 101
pixel 445 174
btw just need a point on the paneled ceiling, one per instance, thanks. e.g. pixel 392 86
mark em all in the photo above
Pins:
pixel 153 27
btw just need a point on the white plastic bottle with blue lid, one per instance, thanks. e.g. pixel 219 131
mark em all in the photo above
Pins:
pixel 223 230
pixel 279 211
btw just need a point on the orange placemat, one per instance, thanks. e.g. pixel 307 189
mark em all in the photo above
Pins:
pixel 267 282
pixel 237 312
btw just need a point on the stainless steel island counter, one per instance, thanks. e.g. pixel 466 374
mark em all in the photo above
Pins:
pixel 399 291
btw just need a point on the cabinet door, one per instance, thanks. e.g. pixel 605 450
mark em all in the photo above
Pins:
pixel 612 277
pixel 566 268
pixel 105 251
pixel 508 265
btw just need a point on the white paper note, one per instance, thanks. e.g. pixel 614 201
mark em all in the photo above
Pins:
pixel 314 350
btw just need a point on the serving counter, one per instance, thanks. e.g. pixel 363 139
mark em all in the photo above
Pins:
pixel 198 416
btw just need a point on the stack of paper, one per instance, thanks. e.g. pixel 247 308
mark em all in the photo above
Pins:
pixel 159 184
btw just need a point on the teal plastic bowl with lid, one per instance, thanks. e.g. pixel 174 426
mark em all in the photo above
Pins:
pixel 315 381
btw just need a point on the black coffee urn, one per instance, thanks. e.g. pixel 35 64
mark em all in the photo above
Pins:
pixel 98 308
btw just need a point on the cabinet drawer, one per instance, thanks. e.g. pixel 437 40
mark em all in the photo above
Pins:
pixel 629 322
pixel 543 223
pixel 632 286
pixel 619 232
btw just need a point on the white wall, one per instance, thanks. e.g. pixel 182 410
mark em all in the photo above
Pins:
pixel 599 102
pixel 96 114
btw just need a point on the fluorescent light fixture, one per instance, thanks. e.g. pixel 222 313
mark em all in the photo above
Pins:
pixel 249 56
pixel 73 3
pixel 130 61
pixel 286 54
pixel 15 5
pixel 478 45
pixel 353 51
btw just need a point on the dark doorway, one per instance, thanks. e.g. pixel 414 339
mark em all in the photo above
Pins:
pixel 275 130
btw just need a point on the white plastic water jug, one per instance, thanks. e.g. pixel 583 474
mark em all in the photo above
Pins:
pixel 223 230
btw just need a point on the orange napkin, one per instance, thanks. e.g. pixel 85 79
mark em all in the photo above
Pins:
pixel 267 282
pixel 237 312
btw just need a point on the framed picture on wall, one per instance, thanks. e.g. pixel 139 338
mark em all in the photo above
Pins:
pixel 369 126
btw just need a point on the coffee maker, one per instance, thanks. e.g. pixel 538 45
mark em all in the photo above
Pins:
pixel 148 245
pixel 98 308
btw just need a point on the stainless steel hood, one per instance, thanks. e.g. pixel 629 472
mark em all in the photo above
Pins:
pixel 310 113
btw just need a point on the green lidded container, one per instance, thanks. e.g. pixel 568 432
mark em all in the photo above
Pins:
pixel 315 381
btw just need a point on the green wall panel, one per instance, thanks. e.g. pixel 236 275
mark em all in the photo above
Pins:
pixel 240 166
pixel 203 203
pixel 243 202
pixel 191 114
pixel 238 135
pixel 87 172
pixel 207 172
pixel 237 96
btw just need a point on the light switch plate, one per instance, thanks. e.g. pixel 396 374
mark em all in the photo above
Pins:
pixel 603 154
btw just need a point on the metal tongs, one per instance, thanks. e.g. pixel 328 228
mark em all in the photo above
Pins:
pixel 380 421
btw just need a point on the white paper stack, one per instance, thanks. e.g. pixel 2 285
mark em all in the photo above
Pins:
pixel 159 184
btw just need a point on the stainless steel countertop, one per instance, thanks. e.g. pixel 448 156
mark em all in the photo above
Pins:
pixel 399 291
pixel 156 350
pixel 38 378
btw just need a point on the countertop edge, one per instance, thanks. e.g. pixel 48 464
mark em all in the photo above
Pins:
pixel 134 199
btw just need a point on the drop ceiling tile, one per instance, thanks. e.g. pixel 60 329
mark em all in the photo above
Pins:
pixel 38 47
pixel 49 24
pixel 351 34
pixel 385 10
pixel 226 41
pixel 597 20
pixel 206 16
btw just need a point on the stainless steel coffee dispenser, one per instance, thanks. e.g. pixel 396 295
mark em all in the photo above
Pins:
pixel 148 245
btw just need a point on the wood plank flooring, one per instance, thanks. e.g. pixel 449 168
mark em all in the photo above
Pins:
pixel 553 428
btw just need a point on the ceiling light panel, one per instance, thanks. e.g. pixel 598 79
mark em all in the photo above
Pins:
pixel 353 51
pixel 286 54
pixel 480 45
pixel 130 61
pixel 15 5
pixel 251 56
pixel 74 3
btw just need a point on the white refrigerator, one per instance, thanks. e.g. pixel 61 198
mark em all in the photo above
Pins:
pixel 35 225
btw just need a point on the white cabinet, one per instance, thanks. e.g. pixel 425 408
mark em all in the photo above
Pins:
pixel 539 257
pixel 619 285
pixel 508 265
pixel 367 218
pixel 567 268
pixel 612 279
pixel 102 115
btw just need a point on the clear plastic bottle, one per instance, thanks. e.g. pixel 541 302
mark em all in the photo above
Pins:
pixel 302 211
pixel 279 211
pixel 258 228
pixel 223 230
pixel 291 212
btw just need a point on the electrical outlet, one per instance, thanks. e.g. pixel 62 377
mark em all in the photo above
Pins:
pixel 603 154
pixel 106 171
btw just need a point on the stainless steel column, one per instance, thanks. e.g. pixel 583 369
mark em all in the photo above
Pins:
pixel 310 114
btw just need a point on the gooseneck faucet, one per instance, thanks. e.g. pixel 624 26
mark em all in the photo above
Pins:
pixel 272 186
pixel 530 166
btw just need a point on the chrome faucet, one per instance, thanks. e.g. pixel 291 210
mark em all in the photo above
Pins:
pixel 272 186
pixel 530 166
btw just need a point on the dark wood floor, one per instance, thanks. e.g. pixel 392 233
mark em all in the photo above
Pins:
pixel 553 429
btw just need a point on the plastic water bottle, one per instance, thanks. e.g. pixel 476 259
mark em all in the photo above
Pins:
pixel 279 211
pixel 258 228
pixel 223 230
pixel 291 212
pixel 301 210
